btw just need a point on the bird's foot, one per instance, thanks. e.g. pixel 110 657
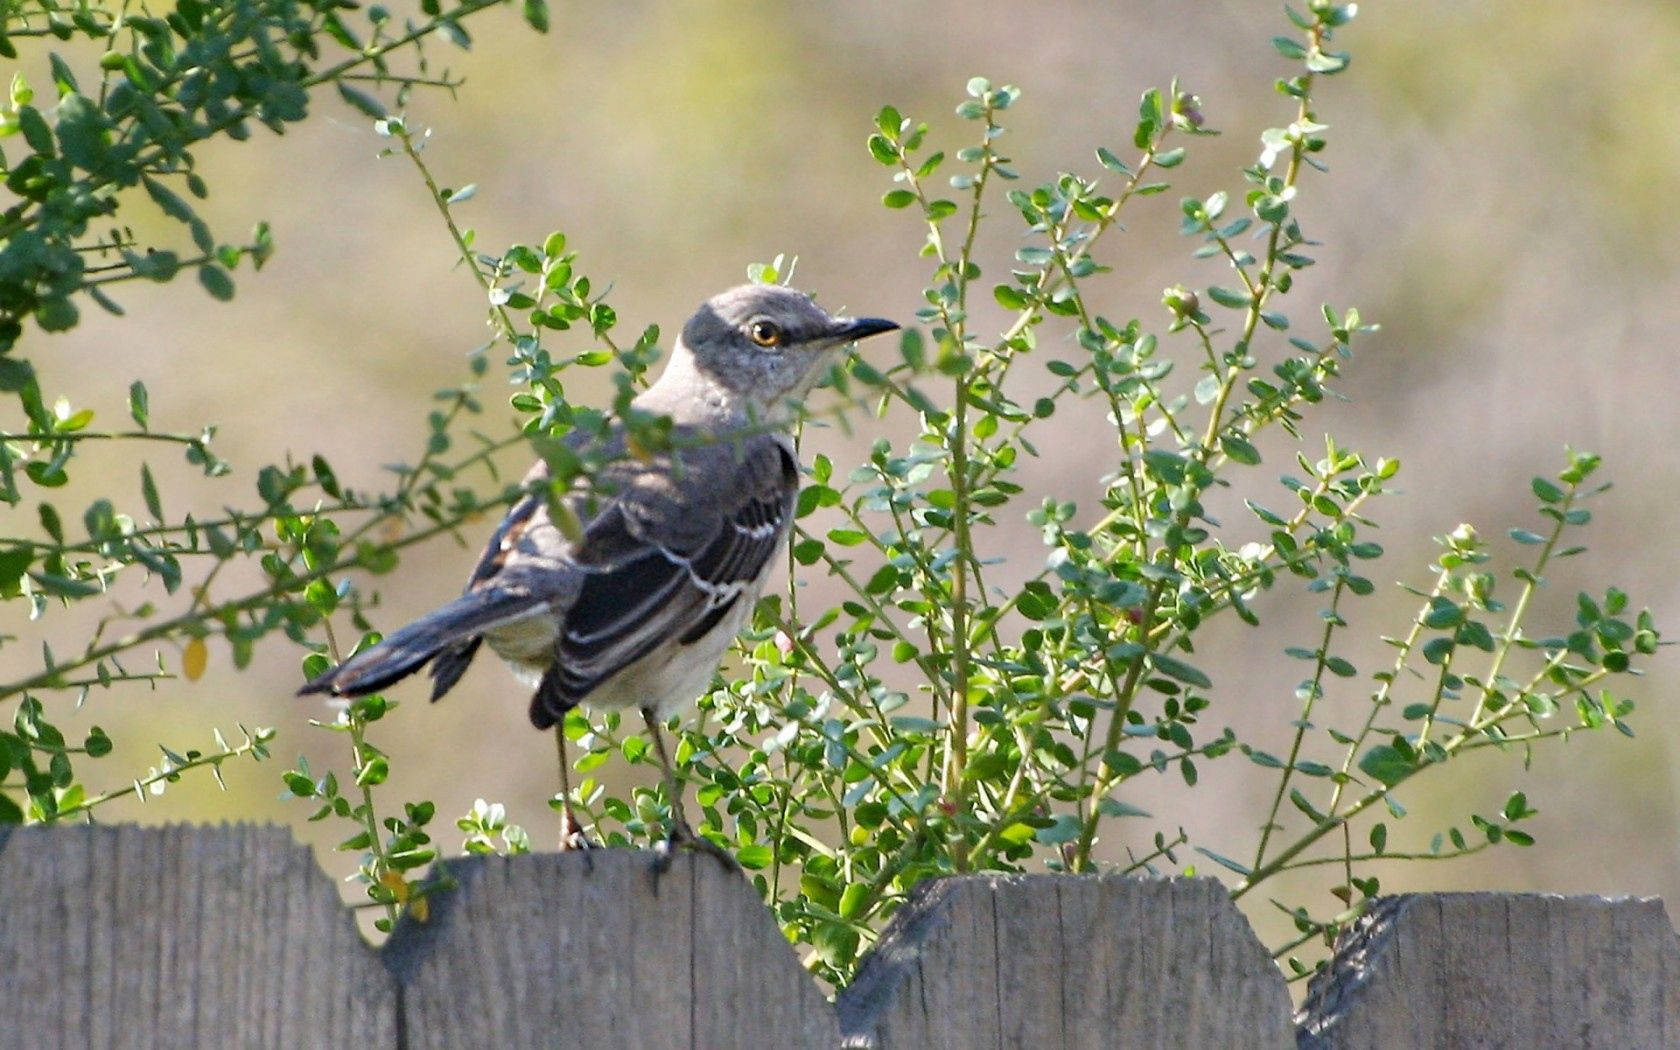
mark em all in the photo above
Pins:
pixel 572 837
pixel 684 837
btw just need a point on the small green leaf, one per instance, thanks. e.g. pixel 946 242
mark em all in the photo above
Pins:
pixel 852 900
pixel 216 281
pixel 98 744
pixel 1180 670
pixel 361 100
pixel 1385 765
pixel 172 203
pixel 1239 449
pixel 1289 48
pixel 1443 613
pixel 149 493
pixel 884 580
pixel 1065 828
pixel 1108 160
pixel 1225 862
pixel 1548 492
pixel 35 130
pixel 57 315
pixel 1010 297
pixel 13 564
pixel 1227 298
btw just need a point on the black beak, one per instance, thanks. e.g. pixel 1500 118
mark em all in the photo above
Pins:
pixel 851 328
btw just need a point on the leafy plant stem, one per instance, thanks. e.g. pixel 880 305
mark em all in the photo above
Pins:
pixel 1314 690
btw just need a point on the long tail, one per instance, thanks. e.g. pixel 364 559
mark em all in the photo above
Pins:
pixel 451 632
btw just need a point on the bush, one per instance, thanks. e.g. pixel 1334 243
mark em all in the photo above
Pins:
pixel 956 711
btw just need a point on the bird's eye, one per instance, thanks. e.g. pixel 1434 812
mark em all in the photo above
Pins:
pixel 765 333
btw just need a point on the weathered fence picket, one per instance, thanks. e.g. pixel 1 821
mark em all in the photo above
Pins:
pixel 117 937
pixel 590 950
pixel 1500 970
pixel 1042 960
pixel 185 937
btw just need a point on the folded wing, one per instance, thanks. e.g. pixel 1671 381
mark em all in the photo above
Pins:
pixel 681 542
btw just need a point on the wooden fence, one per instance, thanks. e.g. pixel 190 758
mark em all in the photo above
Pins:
pixel 232 937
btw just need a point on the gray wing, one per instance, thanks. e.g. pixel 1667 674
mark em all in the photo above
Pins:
pixel 505 543
pixel 679 545
pixel 670 544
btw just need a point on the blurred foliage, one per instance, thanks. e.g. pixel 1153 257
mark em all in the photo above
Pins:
pixel 956 710
pixel 163 86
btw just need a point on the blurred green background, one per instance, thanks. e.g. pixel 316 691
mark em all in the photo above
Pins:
pixel 1500 199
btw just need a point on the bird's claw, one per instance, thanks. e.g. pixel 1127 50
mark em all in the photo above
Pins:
pixel 573 839
pixel 684 837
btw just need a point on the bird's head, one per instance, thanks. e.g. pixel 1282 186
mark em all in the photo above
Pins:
pixel 765 344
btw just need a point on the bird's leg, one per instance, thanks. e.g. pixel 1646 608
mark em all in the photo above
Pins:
pixel 571 831
pixel 682 836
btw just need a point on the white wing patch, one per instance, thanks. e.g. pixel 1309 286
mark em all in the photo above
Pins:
pixel 754 532
pixel 716 594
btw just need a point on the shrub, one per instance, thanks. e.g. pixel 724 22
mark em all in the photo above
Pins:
pixel 956 710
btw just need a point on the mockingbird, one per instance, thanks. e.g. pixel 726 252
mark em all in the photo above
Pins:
pixel 674 547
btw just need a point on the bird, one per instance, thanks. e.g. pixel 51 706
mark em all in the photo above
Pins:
pixel 634 604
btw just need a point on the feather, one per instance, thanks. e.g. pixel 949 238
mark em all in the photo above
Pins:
pixel 404 652
pixel 668 558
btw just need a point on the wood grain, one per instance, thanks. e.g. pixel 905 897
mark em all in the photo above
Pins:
pixel 123 936
pixel 1500 970
pixel 591 950
pixel 1042 960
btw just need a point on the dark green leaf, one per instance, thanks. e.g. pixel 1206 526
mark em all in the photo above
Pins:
pixel 13 564
pixel 57 315
pixel 1065 828
pixel 81 132
pixel 149 493
pixel 1178 669
pixel 1228 298
pixel 1548 492
pixel 172 203
pixel 216 281
pixel 1225 862
pixel 1239 449
pixel 1385 765
pixel 35 130
pixel 361 100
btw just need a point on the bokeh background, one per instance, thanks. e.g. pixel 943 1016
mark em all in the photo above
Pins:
pixel 1499 199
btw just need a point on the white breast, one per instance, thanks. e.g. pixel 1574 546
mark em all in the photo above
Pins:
pixel 674 675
